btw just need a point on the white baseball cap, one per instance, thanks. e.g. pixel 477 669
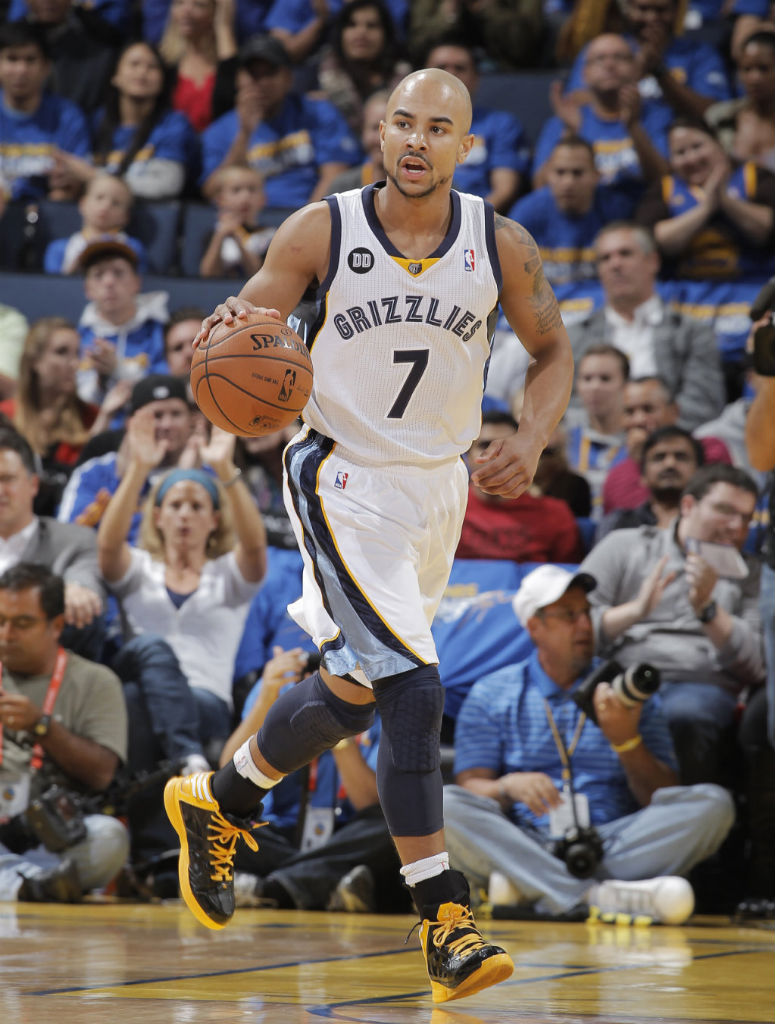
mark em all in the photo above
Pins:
pixel 544 586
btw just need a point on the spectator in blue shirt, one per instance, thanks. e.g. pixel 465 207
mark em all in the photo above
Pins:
pixel 121 329
pixel 566 214
pixel 681 74
pixel 104 207
pixel 37 128
pixel 297 144
pixel 499 161
pixel 301 25
pixel 526 752
pixel 627 133
pixel 712 219
pixel 137 135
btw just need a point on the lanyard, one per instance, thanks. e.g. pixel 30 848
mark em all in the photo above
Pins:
pixel 48 704
pixel 565 752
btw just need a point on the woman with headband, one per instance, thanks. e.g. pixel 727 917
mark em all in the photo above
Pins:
pixel 200 558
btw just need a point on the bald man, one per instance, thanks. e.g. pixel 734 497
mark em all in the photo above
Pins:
pixel 409 274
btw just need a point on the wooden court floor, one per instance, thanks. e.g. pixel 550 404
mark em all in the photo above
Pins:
pixel 109 963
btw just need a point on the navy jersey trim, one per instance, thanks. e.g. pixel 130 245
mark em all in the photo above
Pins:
pixel 333 266
pixel 492 247
pixel 370 212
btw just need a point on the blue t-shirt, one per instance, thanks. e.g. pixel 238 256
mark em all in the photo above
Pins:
pixel 172 138
pixel 615 156
pixel 696 64
pixel 566 241
pixel 288 149
pixel 720 250
pixel 503 727
pixel 499 141
pixel 28 141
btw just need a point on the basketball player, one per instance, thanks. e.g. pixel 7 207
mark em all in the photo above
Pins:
pixel 410 274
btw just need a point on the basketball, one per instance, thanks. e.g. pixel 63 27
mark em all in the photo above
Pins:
pixel 251 377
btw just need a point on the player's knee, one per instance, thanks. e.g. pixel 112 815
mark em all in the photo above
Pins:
pixel 411 705
pixel 314 719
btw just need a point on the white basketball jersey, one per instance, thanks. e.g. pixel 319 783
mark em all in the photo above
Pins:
pixel 400 347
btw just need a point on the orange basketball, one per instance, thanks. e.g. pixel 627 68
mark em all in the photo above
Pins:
pixel 251 377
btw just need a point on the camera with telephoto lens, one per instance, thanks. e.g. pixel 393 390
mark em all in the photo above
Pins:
pixel 56 818
pixel 763 356
pixel 633 685
pixel 581 849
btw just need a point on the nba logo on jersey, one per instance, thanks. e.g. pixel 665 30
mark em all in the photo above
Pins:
pixel 469 260
pixel 341 480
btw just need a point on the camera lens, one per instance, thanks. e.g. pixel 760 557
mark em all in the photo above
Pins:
pixel 636 684
pixel 581 860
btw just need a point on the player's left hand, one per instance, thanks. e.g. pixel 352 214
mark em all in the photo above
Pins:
pixel 507 466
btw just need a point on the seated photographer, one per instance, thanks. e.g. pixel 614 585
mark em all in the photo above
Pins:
pixel 64 725
pixel 531 734
pixel 685 600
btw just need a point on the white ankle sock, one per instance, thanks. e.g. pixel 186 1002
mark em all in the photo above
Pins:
pixel 246 767
pixel 428 867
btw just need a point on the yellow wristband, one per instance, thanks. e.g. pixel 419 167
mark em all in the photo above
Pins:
pixel 622 748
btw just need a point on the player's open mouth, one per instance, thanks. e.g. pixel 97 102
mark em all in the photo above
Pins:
pixel 413 167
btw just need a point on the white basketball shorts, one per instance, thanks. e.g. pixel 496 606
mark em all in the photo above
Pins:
pixel 377 545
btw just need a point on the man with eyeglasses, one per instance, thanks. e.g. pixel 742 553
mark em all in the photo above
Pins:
pixel 685 600
pixel 680 73
pixel 63 723
pixel 523 746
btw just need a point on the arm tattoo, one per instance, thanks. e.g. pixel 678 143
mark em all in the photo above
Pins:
pixel 546 312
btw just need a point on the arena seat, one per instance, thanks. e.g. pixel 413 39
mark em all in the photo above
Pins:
pixel 37 295
pixel 156 224
pixel 523 93
pixel 197 222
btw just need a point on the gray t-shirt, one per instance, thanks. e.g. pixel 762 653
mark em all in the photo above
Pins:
pixel 90 703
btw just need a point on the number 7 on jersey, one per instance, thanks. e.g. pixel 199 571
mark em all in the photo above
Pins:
pixel 418 357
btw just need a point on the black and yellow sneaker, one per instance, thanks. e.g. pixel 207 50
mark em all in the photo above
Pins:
pixel 459 960
pixel 208 838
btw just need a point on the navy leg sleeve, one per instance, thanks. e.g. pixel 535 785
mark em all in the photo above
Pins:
pixel 409 763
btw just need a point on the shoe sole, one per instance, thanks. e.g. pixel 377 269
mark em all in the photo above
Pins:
pixel 493 971
pixel 172 807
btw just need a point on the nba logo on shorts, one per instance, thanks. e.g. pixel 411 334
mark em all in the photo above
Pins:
pixel 469 260
pixel 341 480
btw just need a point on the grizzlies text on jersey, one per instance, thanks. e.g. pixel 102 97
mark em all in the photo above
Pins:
pixel 400 367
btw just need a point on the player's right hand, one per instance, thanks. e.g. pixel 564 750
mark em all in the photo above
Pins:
pixel 233 308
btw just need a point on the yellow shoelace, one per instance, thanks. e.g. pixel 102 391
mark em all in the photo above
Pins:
pixel 223 836
pixel 452 916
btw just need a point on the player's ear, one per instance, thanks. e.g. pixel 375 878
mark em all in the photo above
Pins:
pixel 465 147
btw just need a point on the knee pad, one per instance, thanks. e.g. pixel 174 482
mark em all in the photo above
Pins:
pixel 307 719
pixel 411 705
